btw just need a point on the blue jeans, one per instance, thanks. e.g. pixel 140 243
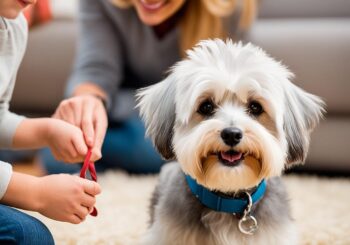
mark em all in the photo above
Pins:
pixel 125 147
pixel 19 228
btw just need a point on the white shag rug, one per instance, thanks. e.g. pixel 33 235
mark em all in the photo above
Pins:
pixel 320 206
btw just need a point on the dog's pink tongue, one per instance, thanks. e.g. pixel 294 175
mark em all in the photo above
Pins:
pixel 231 157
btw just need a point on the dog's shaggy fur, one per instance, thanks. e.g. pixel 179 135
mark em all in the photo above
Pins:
pixel 224 86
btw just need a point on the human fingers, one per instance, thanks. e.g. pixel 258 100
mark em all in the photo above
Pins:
pixel 57 114
pixel 67 114
pixel 87 122
pixel 79 144
pixel 100 126
pixel 61 154
pixel 81 212
pixel 90 187
pixel 88 201
pixel 77 110
pixel 100 133
pixel 65 111
pixel 75 219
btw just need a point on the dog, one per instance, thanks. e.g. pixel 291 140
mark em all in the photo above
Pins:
pixel 232 120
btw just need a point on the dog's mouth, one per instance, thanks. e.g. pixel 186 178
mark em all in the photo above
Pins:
pixel 230 158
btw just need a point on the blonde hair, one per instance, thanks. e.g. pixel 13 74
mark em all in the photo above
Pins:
pixel 204 19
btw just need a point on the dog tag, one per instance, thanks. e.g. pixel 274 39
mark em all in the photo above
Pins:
pixel 248 225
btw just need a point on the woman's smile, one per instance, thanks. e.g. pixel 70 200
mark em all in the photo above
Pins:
pixel 153 6
pixel 154 12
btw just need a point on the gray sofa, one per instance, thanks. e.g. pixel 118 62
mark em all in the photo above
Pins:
pixel 312 37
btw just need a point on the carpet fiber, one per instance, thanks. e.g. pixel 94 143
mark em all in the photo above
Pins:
pixel 320 206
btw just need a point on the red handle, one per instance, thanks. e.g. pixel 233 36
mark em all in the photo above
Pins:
pixel 88 165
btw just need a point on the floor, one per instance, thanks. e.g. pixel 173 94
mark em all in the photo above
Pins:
pixel 320 207
pixel 322 217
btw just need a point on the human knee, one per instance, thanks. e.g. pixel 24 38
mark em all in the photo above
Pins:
pixel 42 234
pixel 30 231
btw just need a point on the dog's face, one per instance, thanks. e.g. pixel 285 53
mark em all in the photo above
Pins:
pixel 230 116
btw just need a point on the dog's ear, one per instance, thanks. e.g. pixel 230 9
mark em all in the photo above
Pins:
pixel 157 109
pixel 302 113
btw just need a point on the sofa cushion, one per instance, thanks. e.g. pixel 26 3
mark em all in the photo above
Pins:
pixel 329 148
pixel 316 50
pixel 304 8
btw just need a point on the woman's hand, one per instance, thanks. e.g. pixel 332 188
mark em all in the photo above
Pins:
pixel 87 112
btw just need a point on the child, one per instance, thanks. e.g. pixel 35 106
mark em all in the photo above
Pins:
pixel 60 197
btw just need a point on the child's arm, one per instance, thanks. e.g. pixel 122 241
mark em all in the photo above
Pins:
pixel 65 140
pixel 61 197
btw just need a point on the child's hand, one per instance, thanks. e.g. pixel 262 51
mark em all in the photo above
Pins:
pixel 66 198
pixel 66 141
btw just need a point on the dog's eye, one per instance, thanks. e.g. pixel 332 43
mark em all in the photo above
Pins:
pixel 255 108
pixel 206 108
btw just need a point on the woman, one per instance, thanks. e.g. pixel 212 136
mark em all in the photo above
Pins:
pixel 125 45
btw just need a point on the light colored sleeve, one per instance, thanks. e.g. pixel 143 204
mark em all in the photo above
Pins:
pixel 13 42
pixel 8 120
pixel 8 125
pixel 5 177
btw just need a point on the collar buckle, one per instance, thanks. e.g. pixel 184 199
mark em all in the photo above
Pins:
pixel 248 223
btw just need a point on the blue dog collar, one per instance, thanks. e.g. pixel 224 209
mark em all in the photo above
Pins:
pixel 223 204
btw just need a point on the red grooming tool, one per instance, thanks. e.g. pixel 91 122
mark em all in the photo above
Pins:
pixel 88 165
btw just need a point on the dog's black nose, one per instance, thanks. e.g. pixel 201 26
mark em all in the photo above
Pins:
pixel 231 136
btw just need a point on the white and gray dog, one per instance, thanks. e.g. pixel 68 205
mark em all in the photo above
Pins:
pixel 231 118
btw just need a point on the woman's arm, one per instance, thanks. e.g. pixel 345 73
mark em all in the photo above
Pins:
pixel 99 56
pixel 97 74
